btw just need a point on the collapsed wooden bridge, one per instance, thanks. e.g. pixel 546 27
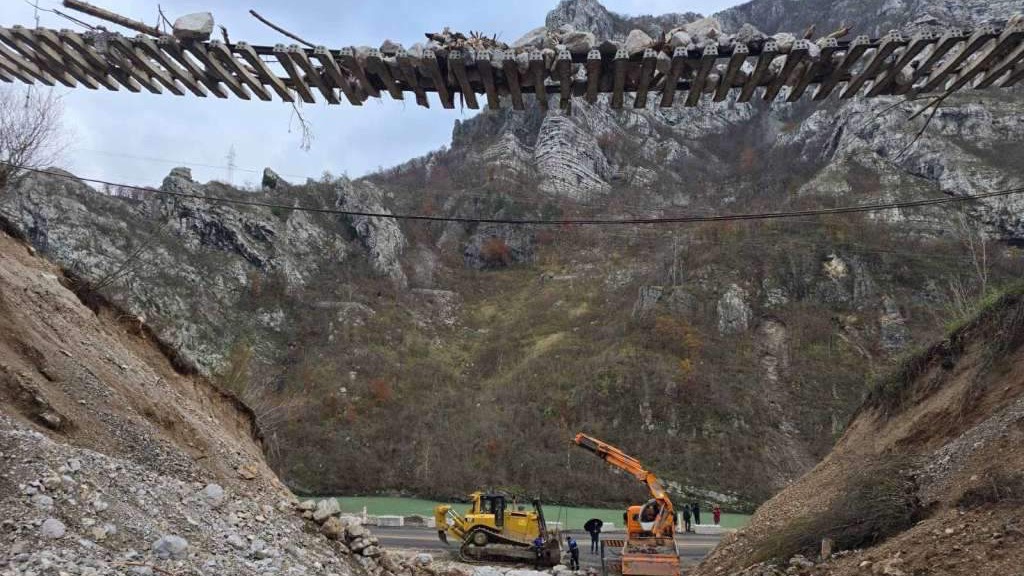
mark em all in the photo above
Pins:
pixel 896 64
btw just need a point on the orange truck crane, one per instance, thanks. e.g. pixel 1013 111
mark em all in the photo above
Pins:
pixel 650 546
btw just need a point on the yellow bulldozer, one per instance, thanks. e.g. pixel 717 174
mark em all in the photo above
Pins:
pixel 497 530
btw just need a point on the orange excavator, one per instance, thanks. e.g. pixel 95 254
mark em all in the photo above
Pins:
pixel 650 546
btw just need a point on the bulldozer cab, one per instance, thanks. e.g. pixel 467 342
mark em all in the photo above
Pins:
pixel 492 504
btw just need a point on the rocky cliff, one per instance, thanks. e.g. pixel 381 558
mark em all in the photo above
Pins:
pixel 728 356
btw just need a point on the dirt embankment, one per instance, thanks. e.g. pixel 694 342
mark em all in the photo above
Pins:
pixel 951 423
pixel 113 462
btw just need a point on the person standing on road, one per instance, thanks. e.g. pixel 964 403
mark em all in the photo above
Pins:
pixel 717 512
pixel 574 554
pixel 593 527
pixel 696 513
pixel 686 518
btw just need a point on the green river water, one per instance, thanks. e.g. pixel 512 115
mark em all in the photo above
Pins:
pixel 571 517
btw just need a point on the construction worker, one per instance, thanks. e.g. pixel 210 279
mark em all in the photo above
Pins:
pixel 593 527
pixel 686 518
pixel 574 554
pixel 717 512
pixel 696 513
pixel 538 549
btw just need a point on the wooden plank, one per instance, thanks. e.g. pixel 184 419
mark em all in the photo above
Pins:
pixel 940 76
pixel 800 52
pixel 69 53
pixel 538 73
pixel 220 51
pixel 39 63
pixel 330 66
pixel 297 81
pixel 138 61
pixel 76 43
pixel 433 68
pixel 646 78
pixel 408 71
pixel 457 63
pixel 918 43
pixel 619 81
pixel 594 66
pixel 150 48
pixel 949 40
pixel 266 75
pixel 815 69
pixel 739 56
pixel 170 46
pixel 700 79
pixel 298 56
pixel 563 68
pixel 486 70
pixel 215 70
pixel 56 59
pixel 1014 58
pixel 1015 76
pixel 15 70
pixel 515 90
pixel 764 62
pixel 1004 44
pixel 376 66
pixel 349 61
pixel 890 43
pixel 668 92
pixel 856 49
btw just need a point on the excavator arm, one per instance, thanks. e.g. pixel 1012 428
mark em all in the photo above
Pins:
pixel 663 524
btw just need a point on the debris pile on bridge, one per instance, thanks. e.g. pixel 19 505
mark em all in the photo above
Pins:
pixel 699 59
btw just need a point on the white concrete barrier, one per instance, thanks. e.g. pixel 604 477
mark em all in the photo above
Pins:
pixel 390 521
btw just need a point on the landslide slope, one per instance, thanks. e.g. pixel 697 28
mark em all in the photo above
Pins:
pixel 106 450
pixel 951 423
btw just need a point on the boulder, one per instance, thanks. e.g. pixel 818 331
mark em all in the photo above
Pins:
pixel 423 559
pixel 325 509
pixel 679 39
pixel 52 529
pixel 637 42
pixel 333 528
pixel 214 494
pixel 272 180
pixel 196 27
pixel 170 546
pixel 309 505
pixel 748 34
pixel 704 29
pixel 237 542
pixel 390 47
pixel 355 531
pixel 579 41
pixel 785 40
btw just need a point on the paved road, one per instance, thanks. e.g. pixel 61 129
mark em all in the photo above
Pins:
pixel 692 547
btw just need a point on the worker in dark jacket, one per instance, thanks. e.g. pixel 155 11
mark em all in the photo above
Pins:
pixel 574 553
pixel 696 513
pixel 593 527
pixel 538 549
pixel 686 518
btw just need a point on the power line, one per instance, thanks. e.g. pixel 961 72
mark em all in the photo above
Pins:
pixel 549 222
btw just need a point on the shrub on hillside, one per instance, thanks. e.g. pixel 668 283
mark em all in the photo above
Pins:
pixel 994 487
pixel 496 253
pixel 879 500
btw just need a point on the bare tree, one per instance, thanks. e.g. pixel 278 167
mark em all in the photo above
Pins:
pixel 30 131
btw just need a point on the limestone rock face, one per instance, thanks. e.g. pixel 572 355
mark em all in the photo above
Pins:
pixel 381 236
pixel 734 313
pixel 569 161
pixel 589 15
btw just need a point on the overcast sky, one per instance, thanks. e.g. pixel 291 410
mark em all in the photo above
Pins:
pixel 138 138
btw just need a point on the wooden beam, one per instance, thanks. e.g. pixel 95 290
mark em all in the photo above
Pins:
pixel 39 62
pixel 800 51
pixel 75 42
pixel 330 65
pixel 1015 76
pixel 537 73
pixel 563 68
pixel 433 68
pixel 739 56
pixel 46 42
pixel 149 47
pixel 1004 44
pixel 170 45
pixel 856 49
pixel 486 70
pixel 939 76
pixel 815 69
pixel 1014 58
pixel 594 66
pixel 215 70
pixel 349 61
pixel 646 78
pixel 457 64
pixel 376 66
pixel 14 70
pixel 128 49
pixel 515 90
pixel 298 56
pixel 297 81
pixel 764 62
pixel 109 16
pixel 949 40
pixel 619 81
pixel 700 79
pixel 679 64
pixel 890 43
pixel 267 76
pixel 227 58
pixel 408 70
pixel 918 43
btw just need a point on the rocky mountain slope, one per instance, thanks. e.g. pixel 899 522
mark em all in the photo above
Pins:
pixel 727 356
pixel 113 462
pixel 947 427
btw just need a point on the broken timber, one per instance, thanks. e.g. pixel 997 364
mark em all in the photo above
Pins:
pixel 896 64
